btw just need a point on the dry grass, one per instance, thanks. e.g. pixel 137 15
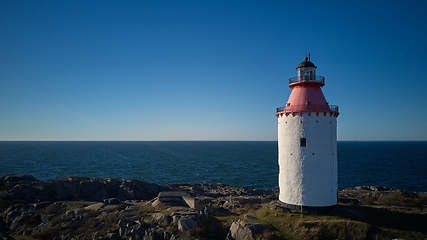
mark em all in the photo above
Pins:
pixel 396 198
pixel 53 208
pixel 33 221
pixel 266 235
pixel 380 223
pixel 332 229
pixel 194 233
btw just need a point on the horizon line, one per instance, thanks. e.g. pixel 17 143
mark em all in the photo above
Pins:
pixel 198 140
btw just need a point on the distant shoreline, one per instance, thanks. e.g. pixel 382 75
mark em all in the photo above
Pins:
pixel 198 141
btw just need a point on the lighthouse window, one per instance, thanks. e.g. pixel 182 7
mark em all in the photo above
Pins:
pixel 303 142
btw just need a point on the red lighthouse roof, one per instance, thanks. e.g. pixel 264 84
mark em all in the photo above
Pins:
pixel 306 95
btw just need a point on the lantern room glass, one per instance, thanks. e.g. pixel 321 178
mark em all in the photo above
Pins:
pixel 306 74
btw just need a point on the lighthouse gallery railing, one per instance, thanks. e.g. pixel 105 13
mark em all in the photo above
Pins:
pixel 308 108
pixel 307 78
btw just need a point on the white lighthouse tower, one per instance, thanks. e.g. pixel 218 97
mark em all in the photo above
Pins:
pixel 307 138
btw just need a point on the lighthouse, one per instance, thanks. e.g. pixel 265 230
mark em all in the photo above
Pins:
pixel 307 143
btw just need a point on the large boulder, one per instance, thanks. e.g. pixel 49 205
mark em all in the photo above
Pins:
pixel 185 224
pixel 19 221
pixel 242 230
pixel 113 201
pixel 14 178
pixel 91 187
pixel 100 195
pixel 160 219
pixel 231 204
pixel 67 188
pixel 23 191
pixel 134 189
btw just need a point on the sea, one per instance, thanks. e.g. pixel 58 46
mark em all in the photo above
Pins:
pixel 401 165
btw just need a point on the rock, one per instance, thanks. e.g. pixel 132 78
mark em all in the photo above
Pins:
pixel 23 191
pixel 218 190
pixel 11 178
pixel 123 232
pixel 112 236
pixel 134 189
pixel 89 188
pixel 248 216
pixel 219 211
pixel 154 233
pixel 101 226
pixel 28 188
pixel 176 216
pixel 160 219
pixel 242 230
pixel 40 204
pixel 100 195
pixel 68 188
pixel 4 234
pixel 30 207
pixel 130 224
pixel 138 227
pixel 157 204
pixel 231 204
pixel 185 224
pixel 276 206
pixel 19 221
pixel 11 213
pixel 114 201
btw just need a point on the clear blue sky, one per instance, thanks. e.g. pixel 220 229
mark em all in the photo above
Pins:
pixel 207 70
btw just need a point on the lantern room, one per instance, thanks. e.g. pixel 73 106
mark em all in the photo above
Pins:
pixel 306 71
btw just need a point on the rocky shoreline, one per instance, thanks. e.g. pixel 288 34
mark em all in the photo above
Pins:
pixel 111 208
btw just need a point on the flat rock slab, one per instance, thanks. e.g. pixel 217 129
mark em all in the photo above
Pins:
pixel 73 204
pixel 95 207
pixel 177 208
pixel 103 207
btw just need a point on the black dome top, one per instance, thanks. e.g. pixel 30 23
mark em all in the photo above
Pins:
pixel 306 63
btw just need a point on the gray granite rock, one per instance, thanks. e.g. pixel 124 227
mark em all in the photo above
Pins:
pixel 242 230
pixel 161 219
pixel 185 224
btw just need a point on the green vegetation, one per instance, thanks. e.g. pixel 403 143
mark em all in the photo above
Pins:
pixel 379 223
pixel 397 198
pixel 33 221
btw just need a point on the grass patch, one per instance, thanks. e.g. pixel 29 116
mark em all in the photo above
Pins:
pixel 33 221
pixel 379 223
pixel 398 218
pixel 331 229
pixel 53 209
pixel 396 198
pixel 387 234
pixel 145 210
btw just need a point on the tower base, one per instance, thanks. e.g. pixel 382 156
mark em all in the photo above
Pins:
pixel 309 209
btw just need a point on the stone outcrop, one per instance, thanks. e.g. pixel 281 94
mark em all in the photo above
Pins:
pixel 26 188
pixel 374 195
pixel 93 208
pixel 219 190
pixel 185 224
pixel 160 218
pixel 243 230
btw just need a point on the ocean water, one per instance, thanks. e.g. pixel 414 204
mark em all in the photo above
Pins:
pixel 400 165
